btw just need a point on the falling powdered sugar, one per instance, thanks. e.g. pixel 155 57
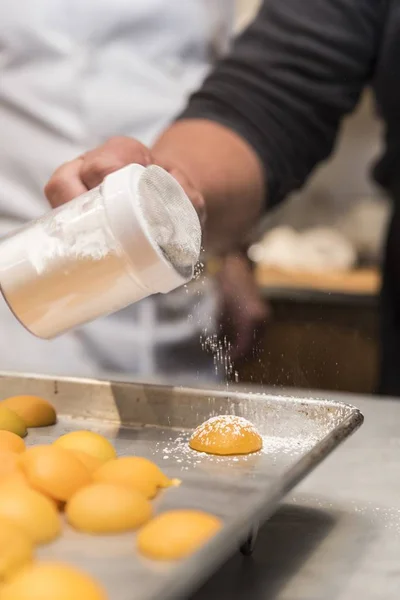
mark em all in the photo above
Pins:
pixel 221 352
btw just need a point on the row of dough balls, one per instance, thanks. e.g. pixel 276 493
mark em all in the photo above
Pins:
pixel 81 476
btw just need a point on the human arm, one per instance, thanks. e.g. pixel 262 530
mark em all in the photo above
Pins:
pixel 265 116
pixel 280 95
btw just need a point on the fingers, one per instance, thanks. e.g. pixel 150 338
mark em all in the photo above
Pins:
pixel 88 171
pixel 111 156
pixel 65 183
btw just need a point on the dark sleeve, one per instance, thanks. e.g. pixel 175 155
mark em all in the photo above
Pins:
pixel 291 76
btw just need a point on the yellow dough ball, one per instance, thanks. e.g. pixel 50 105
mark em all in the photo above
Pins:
pixel 226 435
pixel 31 511
pixel 9 464
pixel 16 549
pixel 54 471
pixel 14 479
pixel 91 462
pixel 52 581
pixel 134 472
pixel 107 508
pixel 176 534
pixel 90 442
pixel 11 442
pixel 10 421
pixel 33 410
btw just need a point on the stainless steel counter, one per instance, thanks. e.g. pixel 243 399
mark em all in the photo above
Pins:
pixel 337 537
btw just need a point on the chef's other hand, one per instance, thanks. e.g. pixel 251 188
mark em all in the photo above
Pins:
pixel 244 312
pixel 88 171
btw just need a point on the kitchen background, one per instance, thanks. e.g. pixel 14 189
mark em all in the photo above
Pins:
pixel 324 324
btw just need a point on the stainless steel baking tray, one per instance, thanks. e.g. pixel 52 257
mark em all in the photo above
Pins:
pixel 156 422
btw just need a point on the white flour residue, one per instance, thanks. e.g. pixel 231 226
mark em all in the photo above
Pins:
pixel 178 452
pixel 78 231
pixel 273 445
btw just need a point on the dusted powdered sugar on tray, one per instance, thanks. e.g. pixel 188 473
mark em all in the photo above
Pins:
pixel 176 451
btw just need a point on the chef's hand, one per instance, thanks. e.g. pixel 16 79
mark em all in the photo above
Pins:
pixel 88 171
pixel 244 312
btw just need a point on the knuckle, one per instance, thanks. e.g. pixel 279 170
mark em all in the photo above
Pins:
pixel 129 150
pixel 115 153
pixel 118 140
pixel 96 169
pixel 52 186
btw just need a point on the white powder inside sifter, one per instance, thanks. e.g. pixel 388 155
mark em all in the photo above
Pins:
pixel 226 435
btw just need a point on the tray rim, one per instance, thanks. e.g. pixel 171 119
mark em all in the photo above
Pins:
pixel 233 391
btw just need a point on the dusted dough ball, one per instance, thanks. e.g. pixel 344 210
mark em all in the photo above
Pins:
pixel 226 435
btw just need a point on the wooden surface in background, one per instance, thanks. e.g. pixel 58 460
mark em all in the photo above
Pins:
pixel 319 344
pixel 359 281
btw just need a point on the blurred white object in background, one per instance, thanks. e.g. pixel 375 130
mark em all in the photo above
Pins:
pixel 364 225
pixel 315 250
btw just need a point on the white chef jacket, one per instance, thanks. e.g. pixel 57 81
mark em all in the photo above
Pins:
pixel 72 74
